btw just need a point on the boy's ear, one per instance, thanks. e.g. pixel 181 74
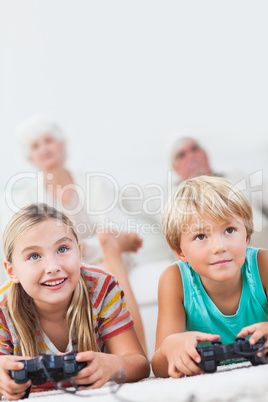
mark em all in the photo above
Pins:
pixel 179 253
pixel 10 272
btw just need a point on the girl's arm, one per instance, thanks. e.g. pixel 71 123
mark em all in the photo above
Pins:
pixel 125 354
pixel 175 350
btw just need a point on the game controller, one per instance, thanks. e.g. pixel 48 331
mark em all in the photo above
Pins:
pixel 59 368
pixel 212 355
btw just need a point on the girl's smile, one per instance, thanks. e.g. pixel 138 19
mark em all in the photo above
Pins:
pixel 46 261
pixel 54 284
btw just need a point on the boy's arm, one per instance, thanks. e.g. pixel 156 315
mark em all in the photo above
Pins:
pixel 262 259
pixel 171 315
pixel 175 353
pixel 260 329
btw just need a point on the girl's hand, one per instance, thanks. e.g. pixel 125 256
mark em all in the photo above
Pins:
pixel 256 331
pixel 99 370
pixel 180 351
pixel 8 388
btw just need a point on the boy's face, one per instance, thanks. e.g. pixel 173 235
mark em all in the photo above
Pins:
pixel 215 250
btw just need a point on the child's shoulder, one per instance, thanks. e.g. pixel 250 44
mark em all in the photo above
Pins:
pixel 103 286
pixel 262 259
pixel 171 270
pixel 170 280
pixel 94 273
pixel 99 280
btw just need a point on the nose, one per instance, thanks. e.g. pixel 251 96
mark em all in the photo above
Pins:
pixel 218 244
pixel 51 265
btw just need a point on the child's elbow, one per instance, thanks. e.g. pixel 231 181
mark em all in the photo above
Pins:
pixel 157 366
pixel 145 369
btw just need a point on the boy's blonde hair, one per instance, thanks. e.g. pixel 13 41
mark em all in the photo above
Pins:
pixel 21 306
pixel 212 196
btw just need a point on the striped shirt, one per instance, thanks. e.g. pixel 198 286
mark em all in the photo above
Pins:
pixel 109 310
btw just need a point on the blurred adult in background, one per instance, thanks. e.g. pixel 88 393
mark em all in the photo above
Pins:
pixel 87 199
pixel 189 159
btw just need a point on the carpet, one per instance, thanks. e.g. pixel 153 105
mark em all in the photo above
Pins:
pixel 239 382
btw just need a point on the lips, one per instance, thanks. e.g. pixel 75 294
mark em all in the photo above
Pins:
pixel 221 262
pixel 54 282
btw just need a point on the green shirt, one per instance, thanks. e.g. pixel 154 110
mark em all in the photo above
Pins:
pixel 203 315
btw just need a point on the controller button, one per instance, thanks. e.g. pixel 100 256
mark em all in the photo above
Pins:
pixel 20 375
pixel 208 353
pixel 69 368
pixel 210 366
pixel 68 357
pixel 216 343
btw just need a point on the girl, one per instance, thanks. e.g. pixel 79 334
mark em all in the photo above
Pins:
pixel 53 304
pixel 219 286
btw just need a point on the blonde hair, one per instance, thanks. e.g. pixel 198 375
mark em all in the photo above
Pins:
pixel 212 196
pixel 21 306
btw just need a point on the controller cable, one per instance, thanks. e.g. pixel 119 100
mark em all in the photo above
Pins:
pixel 263 350
pixel 119 378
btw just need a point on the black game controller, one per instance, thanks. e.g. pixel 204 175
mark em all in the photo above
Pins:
pixel 59 368
pixel 212 355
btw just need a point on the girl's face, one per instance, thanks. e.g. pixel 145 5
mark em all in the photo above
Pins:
pixel 47 152
pixel 215 250
pixel 46 261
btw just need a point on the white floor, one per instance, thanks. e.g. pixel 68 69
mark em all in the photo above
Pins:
pixel 233 383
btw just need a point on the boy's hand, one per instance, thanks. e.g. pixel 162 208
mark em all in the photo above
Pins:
pixel 8 388
pixel 180 351
pixel 256 331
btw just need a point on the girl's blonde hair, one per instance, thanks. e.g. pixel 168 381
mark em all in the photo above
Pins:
pixel 21 306
pixel 212 196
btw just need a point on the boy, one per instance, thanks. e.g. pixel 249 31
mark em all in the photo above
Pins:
pixel 218 288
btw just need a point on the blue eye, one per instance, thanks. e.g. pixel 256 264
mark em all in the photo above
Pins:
pixel 62 249
pixel 230 230
pixel 200 237
pixel 34 257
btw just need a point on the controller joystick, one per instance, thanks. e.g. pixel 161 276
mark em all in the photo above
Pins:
pixel 216 342
pixel 240 339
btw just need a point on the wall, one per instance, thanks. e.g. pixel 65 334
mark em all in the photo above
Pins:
pixel 126 78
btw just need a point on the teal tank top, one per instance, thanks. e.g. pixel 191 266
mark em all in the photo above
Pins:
pixel 203 315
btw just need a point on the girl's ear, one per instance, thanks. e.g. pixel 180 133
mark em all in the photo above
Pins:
pixel 10 272
pixel 181 256
pixel 80 250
